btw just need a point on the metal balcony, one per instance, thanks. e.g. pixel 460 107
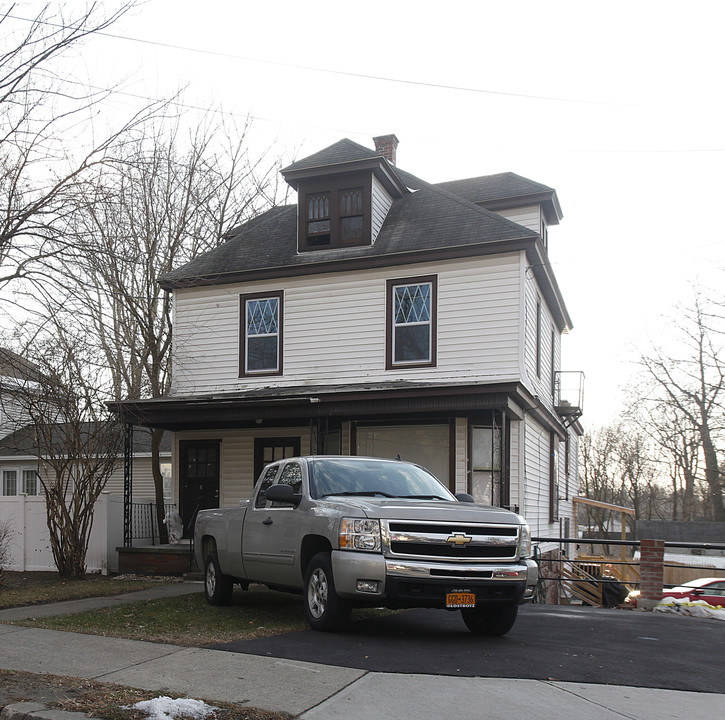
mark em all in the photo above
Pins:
pixel 569 395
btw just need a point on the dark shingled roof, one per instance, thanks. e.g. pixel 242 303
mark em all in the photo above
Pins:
pixel 494 187
pixel 493 190
pixel 15 366
pixel 22 441
pixel 429 218
pixel 426 222
pixel 340 152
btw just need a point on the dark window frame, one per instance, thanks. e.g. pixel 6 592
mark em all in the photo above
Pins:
pixel 390 363
pixel 243 300
pixel 333 187
pixel 553 365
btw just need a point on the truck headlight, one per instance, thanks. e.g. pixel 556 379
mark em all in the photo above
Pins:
pixel 524 541
pixel 360 534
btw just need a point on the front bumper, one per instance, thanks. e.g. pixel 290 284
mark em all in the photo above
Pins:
pixel 417 583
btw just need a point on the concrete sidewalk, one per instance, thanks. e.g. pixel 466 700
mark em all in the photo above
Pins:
pixel 315 691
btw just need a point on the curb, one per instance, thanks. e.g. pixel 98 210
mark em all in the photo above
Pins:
pixel 37 711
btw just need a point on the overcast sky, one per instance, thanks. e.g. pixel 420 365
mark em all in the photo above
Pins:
pixel 617 105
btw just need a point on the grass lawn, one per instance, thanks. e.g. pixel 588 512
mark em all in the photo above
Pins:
pixel 188 619
pixel 36 588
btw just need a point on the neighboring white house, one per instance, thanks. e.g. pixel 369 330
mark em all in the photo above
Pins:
pixel 22 504
pixel 381 315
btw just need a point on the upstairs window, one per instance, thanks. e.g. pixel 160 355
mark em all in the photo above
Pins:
pixel 261 335
pixel 350 208
pixel 335 214
pixel 318 220
pixel 411 322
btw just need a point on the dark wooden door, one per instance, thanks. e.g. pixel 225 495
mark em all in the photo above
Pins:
pixel 267 450
pixel 198 479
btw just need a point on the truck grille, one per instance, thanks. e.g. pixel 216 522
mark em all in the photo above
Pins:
pixel 453 541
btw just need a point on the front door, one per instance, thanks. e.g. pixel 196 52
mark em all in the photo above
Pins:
pixel 198 479
pixel 267 450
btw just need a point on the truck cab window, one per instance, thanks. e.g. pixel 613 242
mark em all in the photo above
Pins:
pixel 268 479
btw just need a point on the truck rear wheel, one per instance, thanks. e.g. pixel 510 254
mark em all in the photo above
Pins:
pixel 217 586
pixel 490 621
pixel 324 610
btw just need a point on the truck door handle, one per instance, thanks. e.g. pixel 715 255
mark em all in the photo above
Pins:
pixel 267 521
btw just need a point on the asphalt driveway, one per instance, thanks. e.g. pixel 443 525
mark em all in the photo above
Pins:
pixel 570 644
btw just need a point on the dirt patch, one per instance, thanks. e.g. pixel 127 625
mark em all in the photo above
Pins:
pixel 13 580
pixel 101 700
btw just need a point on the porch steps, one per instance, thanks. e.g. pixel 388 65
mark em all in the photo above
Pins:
pixel 156 560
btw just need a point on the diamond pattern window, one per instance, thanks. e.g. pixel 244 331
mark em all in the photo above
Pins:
pixel 411 322
pixel 261 347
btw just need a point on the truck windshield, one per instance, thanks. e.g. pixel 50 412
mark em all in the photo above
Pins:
pixel 353 476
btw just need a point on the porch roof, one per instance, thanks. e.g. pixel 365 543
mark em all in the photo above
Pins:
pixel 280 406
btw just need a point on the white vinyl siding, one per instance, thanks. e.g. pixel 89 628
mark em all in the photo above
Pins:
pixel 381 203
pixel 335 328
pixel 529 216
pixel 516 491
pixel 539 384
pixel 535 507
pixel 143 479
pixel 12 414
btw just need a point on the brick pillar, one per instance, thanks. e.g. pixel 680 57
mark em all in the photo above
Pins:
pixel 651 570
pixel 386 145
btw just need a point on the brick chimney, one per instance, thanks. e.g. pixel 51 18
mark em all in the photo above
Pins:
pixel 386 145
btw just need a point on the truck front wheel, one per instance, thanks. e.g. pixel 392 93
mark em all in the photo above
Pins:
pixel 490 621
pixel 217 586
pixel 324 610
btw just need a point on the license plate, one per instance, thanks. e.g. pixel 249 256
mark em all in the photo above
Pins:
pixel 460 600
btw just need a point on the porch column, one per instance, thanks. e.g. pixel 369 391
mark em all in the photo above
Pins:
pixel 127 484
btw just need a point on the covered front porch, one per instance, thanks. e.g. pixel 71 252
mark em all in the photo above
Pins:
pixel 462 433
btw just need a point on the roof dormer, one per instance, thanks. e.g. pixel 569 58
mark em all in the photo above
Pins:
pixel 344 194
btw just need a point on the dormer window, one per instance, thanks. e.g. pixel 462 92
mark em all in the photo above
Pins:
pixel 318 220
pixel 335 213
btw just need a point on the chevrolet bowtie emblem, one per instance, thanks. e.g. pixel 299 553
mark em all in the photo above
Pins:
pixel 459 539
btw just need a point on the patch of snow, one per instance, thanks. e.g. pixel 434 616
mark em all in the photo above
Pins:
pixel 694 608
pixel 166 708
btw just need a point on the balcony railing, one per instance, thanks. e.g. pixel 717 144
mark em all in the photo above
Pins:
pixel 569 395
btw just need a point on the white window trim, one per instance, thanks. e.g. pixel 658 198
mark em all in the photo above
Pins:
pixel 18 479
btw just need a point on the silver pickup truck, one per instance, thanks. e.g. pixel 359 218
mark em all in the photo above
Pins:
pixel 352 531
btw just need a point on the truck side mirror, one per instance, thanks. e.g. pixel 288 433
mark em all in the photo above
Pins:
pixel 283 494
pixel 464 497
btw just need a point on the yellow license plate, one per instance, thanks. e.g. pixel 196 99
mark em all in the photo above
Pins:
pixel 460 600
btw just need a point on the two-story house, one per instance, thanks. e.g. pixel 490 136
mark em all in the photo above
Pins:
pixel 381 315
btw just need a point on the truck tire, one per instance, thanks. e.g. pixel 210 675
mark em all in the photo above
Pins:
pixel 324 610
pixel 217 586
pixel 490 621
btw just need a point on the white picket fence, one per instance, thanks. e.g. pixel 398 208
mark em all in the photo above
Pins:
pixel 29 541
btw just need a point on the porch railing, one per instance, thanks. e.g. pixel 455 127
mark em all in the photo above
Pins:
pixel 144 525
pixel 592 579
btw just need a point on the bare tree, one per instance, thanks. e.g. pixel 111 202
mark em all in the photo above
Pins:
pixel 637 470
pixel 678 455
pixel 46 138
pixel 689 383
pixel 165 198
pixel 77 444
pixel 5 538
pixel 598 476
